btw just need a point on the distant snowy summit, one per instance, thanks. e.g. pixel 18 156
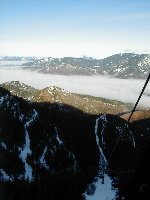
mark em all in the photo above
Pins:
pixel 18 58
pixel 127 65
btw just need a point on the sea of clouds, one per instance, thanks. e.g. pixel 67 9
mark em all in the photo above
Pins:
pixel 126 90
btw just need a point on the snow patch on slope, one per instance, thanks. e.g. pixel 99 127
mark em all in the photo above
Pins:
pixel 23 156
pixel 57 136
pixel 104 122
pixel 42 159
pixel 3 145
pixel 25 151
pixel 103 160
pixel 5 177
pixel 104 189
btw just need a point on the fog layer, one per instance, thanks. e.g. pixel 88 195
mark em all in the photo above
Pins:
pixel 126 90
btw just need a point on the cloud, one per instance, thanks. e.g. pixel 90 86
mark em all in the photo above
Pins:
pixel 126 90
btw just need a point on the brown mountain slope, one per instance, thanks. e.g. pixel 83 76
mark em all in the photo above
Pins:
pixel 85 103
pixel 137 115
pixel 20 89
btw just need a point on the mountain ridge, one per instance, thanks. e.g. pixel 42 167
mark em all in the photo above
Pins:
pixel 126 65
pixel 53 94
pixel 19 58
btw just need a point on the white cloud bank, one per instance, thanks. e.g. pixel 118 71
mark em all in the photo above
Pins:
pixel 126 90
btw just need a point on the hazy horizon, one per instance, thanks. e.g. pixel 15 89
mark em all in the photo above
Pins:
pixel 82 56
pixel 74 28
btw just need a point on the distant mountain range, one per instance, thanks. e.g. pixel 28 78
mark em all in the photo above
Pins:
pixel 127 65
pixel 18 58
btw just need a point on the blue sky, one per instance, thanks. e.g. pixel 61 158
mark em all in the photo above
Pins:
pixel 97 28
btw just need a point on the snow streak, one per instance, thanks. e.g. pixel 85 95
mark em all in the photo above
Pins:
pixel 103 160
pixel 1 100
pixel 57 136
pixel 3 145
pixel 25 151
pixel 104 191
pixel 5 177
pixel 24 154
pixel 104 122
pixel 42 159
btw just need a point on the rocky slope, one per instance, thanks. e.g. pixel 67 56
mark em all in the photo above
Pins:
pixel 50 151
pixel 20 89
pixel 127 65
pixel 53 94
